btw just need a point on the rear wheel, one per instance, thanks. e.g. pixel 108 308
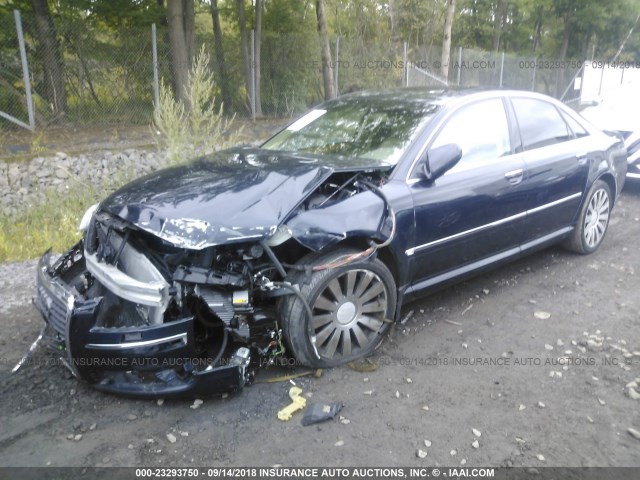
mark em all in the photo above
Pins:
pixel 593 220
pixel 350 308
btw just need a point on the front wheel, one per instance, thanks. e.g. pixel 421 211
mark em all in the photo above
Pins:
pixel 593 220
pixel 351 306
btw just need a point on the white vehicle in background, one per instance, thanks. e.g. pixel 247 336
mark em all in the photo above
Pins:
pixel 620 111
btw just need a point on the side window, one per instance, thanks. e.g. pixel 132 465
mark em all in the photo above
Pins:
pixel 480 130
pixel 540 123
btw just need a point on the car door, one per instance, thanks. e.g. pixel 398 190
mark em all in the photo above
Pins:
pixel 476 210
pixel 555 150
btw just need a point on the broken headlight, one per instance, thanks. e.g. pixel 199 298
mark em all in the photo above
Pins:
pixel 86 218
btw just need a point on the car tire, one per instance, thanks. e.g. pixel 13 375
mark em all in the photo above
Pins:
pixel 592 221
pixel 351 307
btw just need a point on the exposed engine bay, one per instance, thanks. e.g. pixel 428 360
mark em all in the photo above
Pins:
pixel 134 314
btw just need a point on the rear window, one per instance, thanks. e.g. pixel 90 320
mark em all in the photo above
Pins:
pixel 540 123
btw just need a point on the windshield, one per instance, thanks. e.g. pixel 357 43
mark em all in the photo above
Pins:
pixel 356 127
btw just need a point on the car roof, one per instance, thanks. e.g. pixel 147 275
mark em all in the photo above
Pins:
pixel 435 96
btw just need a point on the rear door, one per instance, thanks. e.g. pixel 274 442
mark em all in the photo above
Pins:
pixel 555 149
pixel 476 209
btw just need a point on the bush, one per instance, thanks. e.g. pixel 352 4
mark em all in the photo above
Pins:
pixel 199 128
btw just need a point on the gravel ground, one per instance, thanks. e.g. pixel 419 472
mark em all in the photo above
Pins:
pixel 474 376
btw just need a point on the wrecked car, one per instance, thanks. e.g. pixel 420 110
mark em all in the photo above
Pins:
pixel 188 280
pixel 619 112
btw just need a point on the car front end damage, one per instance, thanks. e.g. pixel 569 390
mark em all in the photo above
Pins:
pixel 176 311
pixel 137 335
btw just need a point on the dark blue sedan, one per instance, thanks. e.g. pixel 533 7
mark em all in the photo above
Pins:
pixel 187 281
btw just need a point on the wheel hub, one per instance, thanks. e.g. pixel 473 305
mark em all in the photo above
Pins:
pixel 346 313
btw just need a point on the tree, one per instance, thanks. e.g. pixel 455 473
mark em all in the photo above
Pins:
pixel 181 38
pixel 49 50
pixel 446 39
pixel 327 69
pixel 257 49
pixel 220 60
pixel 246 61
pixel 500 19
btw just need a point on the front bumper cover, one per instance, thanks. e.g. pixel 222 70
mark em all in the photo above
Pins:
pixel 142 362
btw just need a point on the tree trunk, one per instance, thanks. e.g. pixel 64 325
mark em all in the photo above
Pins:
pixel 222 68
pixel 257 47
pixel 446 39
pixel 538 29
pixel 189 19
pixel 246 61
pixel 564 47
pixel 49 50
pixel 498 24
pixel 327 69
pixel 393 21
pixel 180 60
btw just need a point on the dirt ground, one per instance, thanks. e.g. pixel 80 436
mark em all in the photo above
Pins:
pixel 475 356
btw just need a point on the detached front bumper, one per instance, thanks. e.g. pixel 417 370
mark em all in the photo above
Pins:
pixel 143 362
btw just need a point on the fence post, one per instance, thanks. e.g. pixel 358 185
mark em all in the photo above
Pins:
pixel 459 64
pixel 405 60
pixel 336 70
pixel 533 77
pixel 252 93
pixel 154 49
pixel 25 71
pixel 501 69
pixel 600 87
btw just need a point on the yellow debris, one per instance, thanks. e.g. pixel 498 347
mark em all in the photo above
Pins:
pixel 298 402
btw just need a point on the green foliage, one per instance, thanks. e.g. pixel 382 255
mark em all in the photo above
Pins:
pixel 54 222
pixel 199 128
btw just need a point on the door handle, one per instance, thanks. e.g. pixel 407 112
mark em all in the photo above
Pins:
pixel 514 176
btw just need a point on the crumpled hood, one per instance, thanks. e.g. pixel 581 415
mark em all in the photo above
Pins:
pixel 233 195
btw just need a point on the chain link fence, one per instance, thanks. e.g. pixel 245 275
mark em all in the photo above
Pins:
pixel 108 76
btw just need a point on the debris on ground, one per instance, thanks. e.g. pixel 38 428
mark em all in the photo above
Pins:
pixel 406 318
pixel 633 394
pixel 542 315
pixel 298 402
pixel 320 412
pixel 364 365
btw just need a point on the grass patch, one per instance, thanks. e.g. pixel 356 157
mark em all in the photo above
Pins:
pixel 53 224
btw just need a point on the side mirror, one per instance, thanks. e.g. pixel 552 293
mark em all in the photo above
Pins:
pixel 440 159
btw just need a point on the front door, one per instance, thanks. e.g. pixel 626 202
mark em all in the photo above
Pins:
pixel 477 209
